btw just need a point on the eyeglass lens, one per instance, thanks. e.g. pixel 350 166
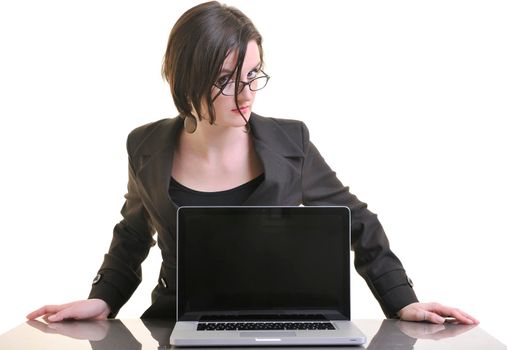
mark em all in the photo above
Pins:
pixel 254 85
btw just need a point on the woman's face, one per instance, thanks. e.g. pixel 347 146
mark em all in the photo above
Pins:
pixel 226 112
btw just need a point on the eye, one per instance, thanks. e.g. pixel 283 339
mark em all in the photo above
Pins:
pixel 252 74
pixel 223 80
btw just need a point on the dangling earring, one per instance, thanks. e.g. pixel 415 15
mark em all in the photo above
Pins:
pixel 190 124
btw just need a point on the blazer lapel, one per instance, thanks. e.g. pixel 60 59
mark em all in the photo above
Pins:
pixel 281 159
pixel 155 172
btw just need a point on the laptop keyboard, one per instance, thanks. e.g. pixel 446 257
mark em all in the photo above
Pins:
pixel 253 326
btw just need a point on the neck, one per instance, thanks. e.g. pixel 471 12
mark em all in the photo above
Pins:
pixel 214 141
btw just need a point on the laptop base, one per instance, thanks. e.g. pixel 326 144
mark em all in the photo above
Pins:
pixel 346 333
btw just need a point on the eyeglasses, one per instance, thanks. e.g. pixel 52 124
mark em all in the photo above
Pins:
pixel 255 84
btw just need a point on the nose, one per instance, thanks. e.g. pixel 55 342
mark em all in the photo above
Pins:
pixel 246 94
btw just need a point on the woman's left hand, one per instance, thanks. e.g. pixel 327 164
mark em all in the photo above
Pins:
pixel 434 313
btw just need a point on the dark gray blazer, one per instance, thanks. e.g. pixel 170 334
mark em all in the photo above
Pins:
pixel 294 173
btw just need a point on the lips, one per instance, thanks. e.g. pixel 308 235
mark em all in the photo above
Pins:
pixel 243 109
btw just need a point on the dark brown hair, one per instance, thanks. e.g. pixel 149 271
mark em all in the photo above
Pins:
pixel 198 45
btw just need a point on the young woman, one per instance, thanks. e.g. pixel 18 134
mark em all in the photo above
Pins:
pixel 218 152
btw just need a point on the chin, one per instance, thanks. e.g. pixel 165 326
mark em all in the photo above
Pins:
pixel 236 120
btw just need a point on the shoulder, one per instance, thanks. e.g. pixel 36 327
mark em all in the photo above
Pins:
pixel 151 137
pixel 287 134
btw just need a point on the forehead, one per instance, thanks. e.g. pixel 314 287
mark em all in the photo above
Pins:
pixel 252 57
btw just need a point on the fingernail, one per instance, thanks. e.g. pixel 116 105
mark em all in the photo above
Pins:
pixel 52 318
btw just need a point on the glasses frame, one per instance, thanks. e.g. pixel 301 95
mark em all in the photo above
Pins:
pixel 243 84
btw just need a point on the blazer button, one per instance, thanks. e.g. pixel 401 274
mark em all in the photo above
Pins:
pixel 409 281
pixel 163 282
pixel 97 278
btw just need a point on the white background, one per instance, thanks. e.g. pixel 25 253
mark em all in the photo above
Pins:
pixel 404 99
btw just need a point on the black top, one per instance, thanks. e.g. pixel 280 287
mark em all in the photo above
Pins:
pixel 182 195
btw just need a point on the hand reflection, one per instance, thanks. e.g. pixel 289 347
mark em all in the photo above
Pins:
pixel 402 335
pixel 88 330
pixel 423 330
pixel 102 334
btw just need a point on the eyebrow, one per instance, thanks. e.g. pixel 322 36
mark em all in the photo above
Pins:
pixel 228 71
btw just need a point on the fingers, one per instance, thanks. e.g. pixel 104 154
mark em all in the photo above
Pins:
pixel 419 313
pixel 463 317
pixel 61 315
pixel 455 313
pixel 80 310
pixel 48 311
pixel 432 317
pixel 435 313
pixel 45 310
pixel 475 321
pixel 69 311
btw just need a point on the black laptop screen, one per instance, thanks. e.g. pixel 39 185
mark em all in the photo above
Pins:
pixel 241 261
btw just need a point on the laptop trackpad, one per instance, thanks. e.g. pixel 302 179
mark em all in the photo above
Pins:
pixel 267 335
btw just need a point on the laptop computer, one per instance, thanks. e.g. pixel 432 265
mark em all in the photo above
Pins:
pixel 266 276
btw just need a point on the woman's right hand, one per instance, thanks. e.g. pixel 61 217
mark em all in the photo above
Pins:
pixel 90 309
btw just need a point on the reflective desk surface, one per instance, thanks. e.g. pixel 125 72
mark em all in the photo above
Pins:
pixel 154 334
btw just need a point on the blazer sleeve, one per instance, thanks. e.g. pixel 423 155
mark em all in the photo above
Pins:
pixel 120 273
pixel 373 258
